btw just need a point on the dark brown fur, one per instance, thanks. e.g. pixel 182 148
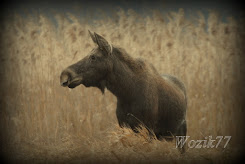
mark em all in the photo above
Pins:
pixel 143 96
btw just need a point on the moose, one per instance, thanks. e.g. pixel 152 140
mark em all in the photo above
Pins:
pixel 144 97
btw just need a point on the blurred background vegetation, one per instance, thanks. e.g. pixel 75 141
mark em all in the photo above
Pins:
pixel 200 43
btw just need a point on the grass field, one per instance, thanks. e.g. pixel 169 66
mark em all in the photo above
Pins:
pixel 41 121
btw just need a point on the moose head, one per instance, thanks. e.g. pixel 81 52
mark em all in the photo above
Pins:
pixel 92 70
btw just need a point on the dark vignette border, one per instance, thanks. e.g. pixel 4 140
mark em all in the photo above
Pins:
pixel 236 9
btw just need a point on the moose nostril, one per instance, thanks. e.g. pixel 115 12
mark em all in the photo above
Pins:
pixel 64 84
pixel 65 78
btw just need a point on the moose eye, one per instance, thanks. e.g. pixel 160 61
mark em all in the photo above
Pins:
pixel 92 57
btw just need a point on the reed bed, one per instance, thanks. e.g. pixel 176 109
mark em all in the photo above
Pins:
pixel 42 121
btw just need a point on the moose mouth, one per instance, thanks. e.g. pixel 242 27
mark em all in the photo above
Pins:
pixel 71 83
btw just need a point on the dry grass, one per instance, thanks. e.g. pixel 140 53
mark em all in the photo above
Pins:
pixel 42 121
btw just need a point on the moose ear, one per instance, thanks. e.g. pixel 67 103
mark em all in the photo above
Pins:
pixel 92 36
pixel 103 44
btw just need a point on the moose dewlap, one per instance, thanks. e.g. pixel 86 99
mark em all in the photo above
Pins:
pixel 144 97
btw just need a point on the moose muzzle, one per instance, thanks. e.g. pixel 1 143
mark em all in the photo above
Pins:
pixel 64 80
pixel 70 79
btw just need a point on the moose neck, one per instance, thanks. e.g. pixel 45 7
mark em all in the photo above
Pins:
pixel 121 84
pixel 123 80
